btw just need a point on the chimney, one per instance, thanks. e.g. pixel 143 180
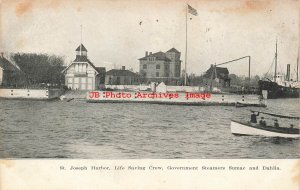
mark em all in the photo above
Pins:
pixel 146 54
pixel 123 67
pixel 150 53
pixel 2 54
pixel 288 72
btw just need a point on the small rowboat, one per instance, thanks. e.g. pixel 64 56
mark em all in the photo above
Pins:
pixel 247 128
pixel 240 105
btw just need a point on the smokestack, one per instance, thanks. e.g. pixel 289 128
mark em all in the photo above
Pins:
pixel 146 54
pixel 150 53
pixel 2 54
pixel 288 72
pixel 123 67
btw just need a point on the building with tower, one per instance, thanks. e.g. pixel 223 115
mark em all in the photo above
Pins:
pixel 82 74
pixel 161 67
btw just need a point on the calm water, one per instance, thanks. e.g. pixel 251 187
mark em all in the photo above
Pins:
pixel 76 129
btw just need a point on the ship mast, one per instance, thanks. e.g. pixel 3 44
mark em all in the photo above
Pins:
pixel 275 75
pixel 297 64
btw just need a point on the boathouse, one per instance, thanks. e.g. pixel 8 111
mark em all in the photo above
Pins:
pixel 82 74
pixel 10 74
pixel 219 74
pixel 121 77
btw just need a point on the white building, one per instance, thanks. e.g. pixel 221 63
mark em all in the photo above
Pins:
pixel 81 74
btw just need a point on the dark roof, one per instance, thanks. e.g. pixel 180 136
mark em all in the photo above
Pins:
pixel 158 56
pixel 82 58
pixel 119 72
pixel 173 50
pixel 222 72
pixel 82 48
pixel 7 65
pixel 101 70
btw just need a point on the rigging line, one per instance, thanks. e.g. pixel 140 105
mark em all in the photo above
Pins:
pixel 231 61
pixel 271 65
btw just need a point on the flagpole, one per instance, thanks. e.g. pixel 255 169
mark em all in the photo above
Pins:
pixel 185 44
pixel 80 38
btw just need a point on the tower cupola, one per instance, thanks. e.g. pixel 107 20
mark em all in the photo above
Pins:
pixel 81 51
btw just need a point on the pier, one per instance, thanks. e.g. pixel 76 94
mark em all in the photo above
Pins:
pixel 174 98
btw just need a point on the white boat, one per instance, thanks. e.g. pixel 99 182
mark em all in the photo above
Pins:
pixel 247 128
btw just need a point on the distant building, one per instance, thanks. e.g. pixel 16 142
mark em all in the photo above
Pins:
pixel 10 74
pixel 82 74
pixel 161 67
pixel 219 74
pixel 121 77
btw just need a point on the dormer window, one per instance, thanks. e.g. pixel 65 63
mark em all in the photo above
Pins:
pixel 151 58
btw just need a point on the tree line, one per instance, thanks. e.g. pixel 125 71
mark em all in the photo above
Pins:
pixel 40 69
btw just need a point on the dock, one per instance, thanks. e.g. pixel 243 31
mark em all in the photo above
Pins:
pixel 177 98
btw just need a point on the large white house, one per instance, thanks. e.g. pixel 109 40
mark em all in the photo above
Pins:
pixel 82 74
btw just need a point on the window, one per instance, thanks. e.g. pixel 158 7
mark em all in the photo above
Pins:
pixel 76 67
pixel 144 66
pixel 157 66
pixel 151 59
pixel 157 74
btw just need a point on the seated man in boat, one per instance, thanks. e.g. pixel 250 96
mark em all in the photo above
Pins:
pixel 253 117
pixel 291 126
pixel 262 122
pixel 276 123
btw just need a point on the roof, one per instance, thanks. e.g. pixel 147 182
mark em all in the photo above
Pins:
pixel 81 58
pixel 101 70
pixel 222 72
pixel 158 56
pixel 85 59
pixel 173 50
pixel 119 72
pixel 82 48
pixel 7 65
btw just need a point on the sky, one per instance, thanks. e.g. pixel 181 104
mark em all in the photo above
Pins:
pixel 118 32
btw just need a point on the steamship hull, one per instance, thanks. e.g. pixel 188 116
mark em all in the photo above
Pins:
pixel 277 91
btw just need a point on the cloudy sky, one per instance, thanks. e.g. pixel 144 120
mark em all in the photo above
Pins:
pixel 118 32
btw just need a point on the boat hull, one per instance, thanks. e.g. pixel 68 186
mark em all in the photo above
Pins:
pixel 243 128
pixel 277 91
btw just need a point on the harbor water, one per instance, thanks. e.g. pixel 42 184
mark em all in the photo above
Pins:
pixel 76 129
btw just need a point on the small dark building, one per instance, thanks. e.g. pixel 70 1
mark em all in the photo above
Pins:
pixel 121 77
pixel 10 74
pixel 101 75
pixel 219 73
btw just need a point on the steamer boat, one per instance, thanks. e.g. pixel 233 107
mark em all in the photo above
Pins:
pixel 281 86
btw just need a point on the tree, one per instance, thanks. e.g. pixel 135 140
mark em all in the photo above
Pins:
pixel 40 68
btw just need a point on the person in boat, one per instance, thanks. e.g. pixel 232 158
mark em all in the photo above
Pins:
pixel 253 117
pixel 276 124
pixel 291 126
pixel 262 122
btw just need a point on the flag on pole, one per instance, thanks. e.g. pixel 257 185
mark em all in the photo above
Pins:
pixel 192 11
